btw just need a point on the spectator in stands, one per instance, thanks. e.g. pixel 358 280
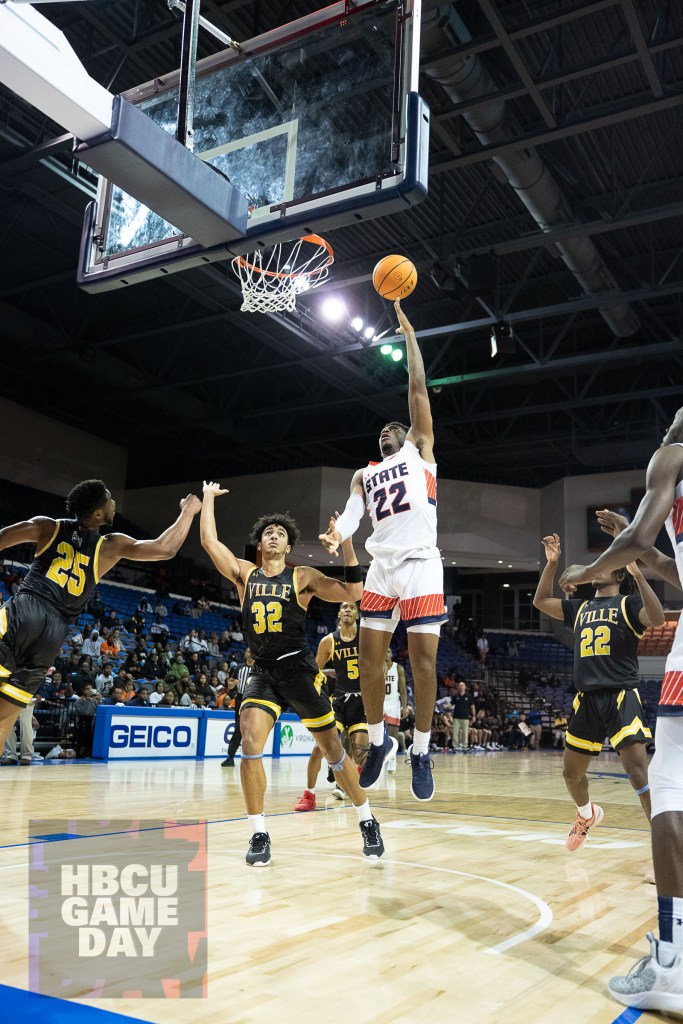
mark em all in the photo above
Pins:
pixel 95 605
pixel 141 699
pixel 193 644
pixel 237 634
pixel 91 645
pixel 111 619
pixel 534 720
pixel 157 694
pixel 212 644
pixel 115 697
pixel 178 667
pixel 160 610
pixel 204 687
pixel 188 692
pixel 85 675
pixel 109 648
pixel 203 605
pixel 225 638
pixel 482 647
pixel 199 701
pixel 153 668
pixel 463 713
pixel 145 608
pixel 195 663
pixel 104 680
pixel 132 665
pixel 158 630
pixel 136 624
pixel 559 728
pixel 169 700
pixel 67 664
pixel 223 671
pixel 52 685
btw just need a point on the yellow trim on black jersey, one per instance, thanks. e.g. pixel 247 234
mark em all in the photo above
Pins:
pixel 583 744
pixel 3 621
pixel 96 560
pixel 628 622
pixel 578 612
pixel 4 672
pixel 637 725
pixel 54 534
pixel 577 701
pixel 358 727
pixel 15 692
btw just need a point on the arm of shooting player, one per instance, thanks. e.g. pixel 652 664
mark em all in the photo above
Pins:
pixel 315 583
pixel 118 545
pixel 543 598
pixel 421 431
pixel 228 565
pixel 613 524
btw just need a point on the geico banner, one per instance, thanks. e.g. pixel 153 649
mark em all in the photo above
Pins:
pixel 294 737
pixel 153 735
pixel 220 726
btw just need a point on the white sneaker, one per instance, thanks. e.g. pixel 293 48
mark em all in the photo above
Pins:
pixel 338 792
pixel 648 985
pixel 391 764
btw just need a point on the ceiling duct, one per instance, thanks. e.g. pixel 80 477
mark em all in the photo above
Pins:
pixel 466 78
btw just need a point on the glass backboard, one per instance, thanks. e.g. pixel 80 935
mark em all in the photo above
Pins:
pixel 319 123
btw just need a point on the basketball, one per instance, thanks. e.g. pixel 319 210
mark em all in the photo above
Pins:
pixel 394 277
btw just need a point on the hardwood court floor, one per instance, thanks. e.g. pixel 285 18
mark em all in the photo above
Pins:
pixel 476 913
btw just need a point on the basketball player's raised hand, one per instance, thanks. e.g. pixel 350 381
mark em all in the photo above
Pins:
pixel 552 547
pixel 331 539
pixel 611 522
pixel 214 489
pixel 191 504
pixel 404 323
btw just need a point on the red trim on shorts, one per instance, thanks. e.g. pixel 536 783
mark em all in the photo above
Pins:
pixel 392 721
pixel 431 487
pixel 371 602
pixel 677 516
pixel 423 607
pixel 672 688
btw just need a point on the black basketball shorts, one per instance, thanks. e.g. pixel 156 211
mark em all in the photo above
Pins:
pixel 31 637
pixel 296 683
pixel 616 714
pixel 350 713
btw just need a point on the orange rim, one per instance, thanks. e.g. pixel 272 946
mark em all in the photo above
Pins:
pixel 313 240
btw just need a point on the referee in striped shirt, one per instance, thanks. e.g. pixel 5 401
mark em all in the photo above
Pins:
pixel 243 674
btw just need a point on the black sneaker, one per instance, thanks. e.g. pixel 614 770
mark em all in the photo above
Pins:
pixel 373 847
pixel 228 763
pixel 372 769
pixel 422 786
pixel 330 777
pixel 258 853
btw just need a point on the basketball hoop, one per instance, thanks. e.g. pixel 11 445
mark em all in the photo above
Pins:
pixel 272 278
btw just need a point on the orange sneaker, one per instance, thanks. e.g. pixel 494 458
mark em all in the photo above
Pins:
pixel 307 802
pixel 579 830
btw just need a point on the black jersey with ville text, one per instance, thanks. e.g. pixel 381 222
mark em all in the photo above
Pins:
pixel 606 635
pixel 65 571
pixel 344 661
pixel 274 621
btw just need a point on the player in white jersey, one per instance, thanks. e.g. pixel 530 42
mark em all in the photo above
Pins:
pixel 406 572
pixel 656 981
pixel 395 700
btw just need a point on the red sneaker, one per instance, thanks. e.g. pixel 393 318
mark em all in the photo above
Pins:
pixel 579 830
pixel 307 802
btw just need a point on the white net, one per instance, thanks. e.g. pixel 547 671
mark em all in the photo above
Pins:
pixel 272 278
